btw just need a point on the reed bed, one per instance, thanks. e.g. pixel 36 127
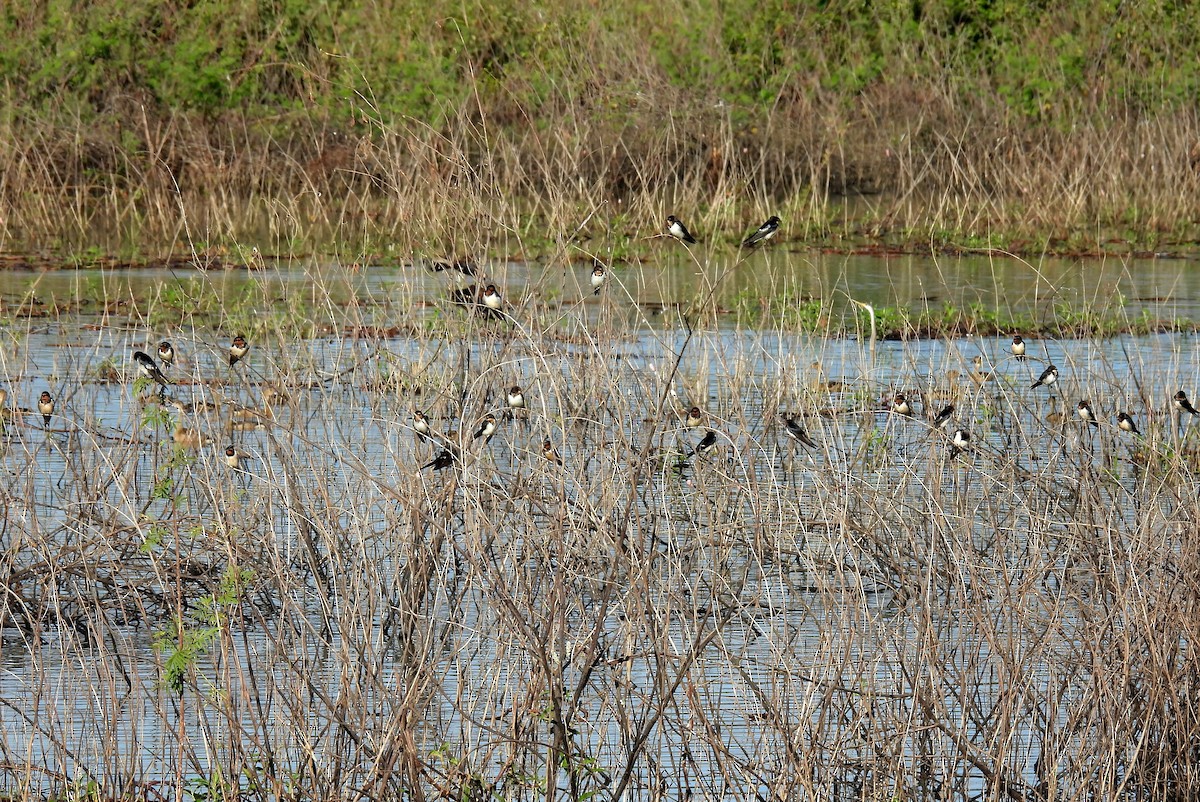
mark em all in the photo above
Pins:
pixel 873 618
pixel 841 174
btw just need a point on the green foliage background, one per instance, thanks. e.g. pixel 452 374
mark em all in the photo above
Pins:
pixel 1044 61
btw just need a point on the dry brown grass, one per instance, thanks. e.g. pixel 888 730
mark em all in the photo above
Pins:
pixel 869 620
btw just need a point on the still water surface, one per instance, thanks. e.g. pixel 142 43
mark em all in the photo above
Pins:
pixel 94 702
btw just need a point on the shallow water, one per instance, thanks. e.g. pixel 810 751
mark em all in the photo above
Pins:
pixel 754 523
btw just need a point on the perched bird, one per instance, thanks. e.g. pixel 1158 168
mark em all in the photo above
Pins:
pixel 1085 413
pixel 694 418
pixel 598 277
pixel 1049 376
pixel 900 405
pixel 486 430
pixel 46 407
pixel 149 368
pixel 189 438
pixel 516 398
pixel 1183 405
pixel 1125 423
pixel 678 230
pixel 942 418
pixel 462 265
pixel 445 458
pixel 233 458
pixel 166 353
pixel 237 349
pixel 549 453
pixel 958 442
pixel 795 431
pixel 491 298
pixel 421 426
pixel 1018 347
pixel 764 232
pixel 706 444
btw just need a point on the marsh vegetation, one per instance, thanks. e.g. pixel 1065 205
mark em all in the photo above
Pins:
pixel 877 617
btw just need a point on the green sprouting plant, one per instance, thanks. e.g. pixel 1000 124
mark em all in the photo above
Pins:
pixel 185 644
pixel 155 534
pixel 212 788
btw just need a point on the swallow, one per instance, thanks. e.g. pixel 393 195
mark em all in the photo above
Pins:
pixel 764 232
pixel 1183 405
pixel 166 353
pixel 900 405
pixel 958 442
pixel 464 266
pixel 486 430
pixel 598 277
pixel 421 426
pixel 1049 376
pixel 706 444
pixel 233 458
pixel 1085 413
pixel 443 460
pixel 237 349
pixel 1125 423
pixel 694 418
pixel 46 407
pixel 516 398
pixel 796 431
pixel 149 368
pixel 1017 347
pixel 943 418
pixel 678 230
pixel 491 298
pixel 549 453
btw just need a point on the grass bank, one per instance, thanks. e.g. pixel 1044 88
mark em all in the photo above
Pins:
pixel 147 129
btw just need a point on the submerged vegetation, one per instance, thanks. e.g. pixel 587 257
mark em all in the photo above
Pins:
pixel 490 127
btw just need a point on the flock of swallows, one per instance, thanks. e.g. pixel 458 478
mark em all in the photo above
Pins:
pixel 489 302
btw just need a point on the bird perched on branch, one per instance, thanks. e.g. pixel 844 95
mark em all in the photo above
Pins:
pixel 678 230
pixel 795 431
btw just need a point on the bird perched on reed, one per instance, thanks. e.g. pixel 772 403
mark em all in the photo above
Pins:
pixel 597 278
pixel 764 232
pixel 942 418
pixel 486 429
pixel 237 349
pixel 149 368
pixel 1084 410
pixel 549 453
pixel 445 458
pixel 958 442
pixel 1183 404
pixel 1049 376
pixel 900 405
pixel 45 406
pixel 796 432
pixel 1126 423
